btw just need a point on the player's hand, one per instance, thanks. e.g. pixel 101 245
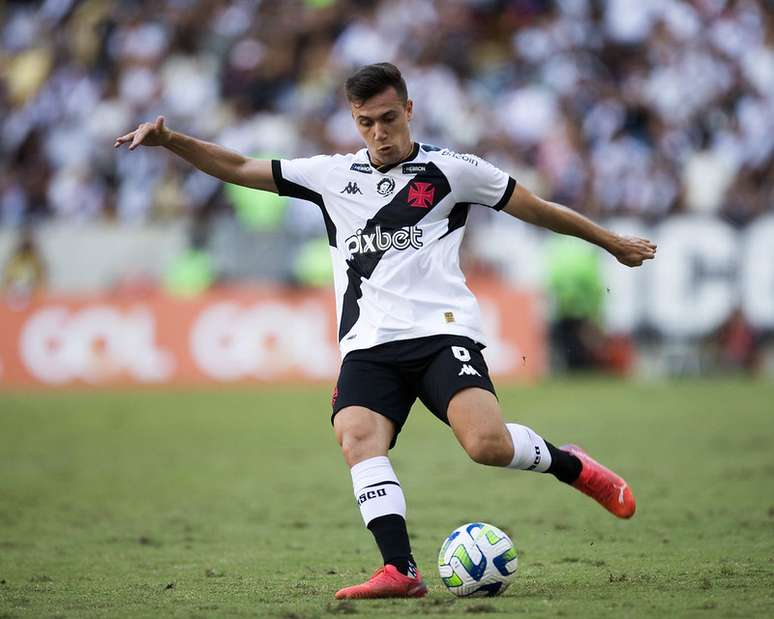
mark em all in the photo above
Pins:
pixel 633 251
pixel 147 134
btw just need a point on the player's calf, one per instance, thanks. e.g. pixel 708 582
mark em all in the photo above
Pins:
pixel 531 452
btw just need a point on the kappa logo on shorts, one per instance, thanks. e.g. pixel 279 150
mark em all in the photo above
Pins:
pixel 468 370
pixel 463 354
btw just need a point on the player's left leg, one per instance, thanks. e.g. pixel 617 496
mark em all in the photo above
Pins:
pixel 457 388
pixel 475 417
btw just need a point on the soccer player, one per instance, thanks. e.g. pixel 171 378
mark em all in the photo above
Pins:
pixel 395 214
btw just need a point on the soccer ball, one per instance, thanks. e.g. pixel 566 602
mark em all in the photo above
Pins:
pixel 477 559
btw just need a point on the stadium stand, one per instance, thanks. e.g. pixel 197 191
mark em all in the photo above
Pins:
pixel 674 98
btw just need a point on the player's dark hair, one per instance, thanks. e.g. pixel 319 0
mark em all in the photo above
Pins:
pixel 374 79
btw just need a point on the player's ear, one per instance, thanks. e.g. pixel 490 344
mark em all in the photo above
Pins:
pixel 409 109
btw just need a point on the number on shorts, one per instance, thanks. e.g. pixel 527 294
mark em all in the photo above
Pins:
pixel 461 353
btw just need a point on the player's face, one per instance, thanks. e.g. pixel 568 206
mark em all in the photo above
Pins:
pixel 383 123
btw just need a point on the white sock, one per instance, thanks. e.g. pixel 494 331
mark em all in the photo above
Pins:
pixel 530 452
pixel 377 490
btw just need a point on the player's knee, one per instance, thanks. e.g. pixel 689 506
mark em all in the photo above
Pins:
pixel 355 448
pixel 358 441
pixel 362 434
pixel 492 449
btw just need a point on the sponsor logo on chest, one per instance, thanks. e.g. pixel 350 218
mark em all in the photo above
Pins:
pixel 361 167
pixel 414 168
pixel 381 240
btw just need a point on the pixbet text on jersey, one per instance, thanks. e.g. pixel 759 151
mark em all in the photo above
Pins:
pixel 381 240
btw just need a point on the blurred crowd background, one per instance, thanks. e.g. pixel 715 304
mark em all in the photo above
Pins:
pixel 613 107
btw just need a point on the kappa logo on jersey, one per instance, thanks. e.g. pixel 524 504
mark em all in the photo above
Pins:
pixel 468 370
pixel 361 167
pixel 385 186
pixel 414 168
pixel 421 195
pixel 351 188
pixel 381 240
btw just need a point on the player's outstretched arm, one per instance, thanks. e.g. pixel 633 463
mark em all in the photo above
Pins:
pixel 628 250
pixel 215 160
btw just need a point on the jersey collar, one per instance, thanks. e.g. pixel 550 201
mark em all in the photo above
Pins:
pixel 386 168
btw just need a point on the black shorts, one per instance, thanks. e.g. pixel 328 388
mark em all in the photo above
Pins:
pixel 388 378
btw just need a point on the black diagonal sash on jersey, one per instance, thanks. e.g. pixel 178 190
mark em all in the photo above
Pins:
pixel 393 216
pixel 457 218
pixel 294 190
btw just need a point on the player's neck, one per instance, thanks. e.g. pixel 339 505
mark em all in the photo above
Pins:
pixel 405 154
pixel 409 149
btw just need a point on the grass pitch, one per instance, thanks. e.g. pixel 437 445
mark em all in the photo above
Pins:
pixel 237 503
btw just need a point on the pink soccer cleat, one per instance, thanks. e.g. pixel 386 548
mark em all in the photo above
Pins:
pixel 602 485
pixel 387 582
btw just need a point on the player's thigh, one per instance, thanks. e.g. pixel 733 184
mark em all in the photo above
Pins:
pixel 456 387
pixel 474 414
pixel 455 368
pixel 371 398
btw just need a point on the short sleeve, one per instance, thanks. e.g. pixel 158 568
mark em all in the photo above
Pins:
pixel 300 178
pixel 304 179
pixel 479 182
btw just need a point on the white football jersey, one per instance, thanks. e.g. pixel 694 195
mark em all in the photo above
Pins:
pixel 395 234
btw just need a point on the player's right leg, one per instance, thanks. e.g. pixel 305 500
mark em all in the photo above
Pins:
pixel 365 437
pixel 370 405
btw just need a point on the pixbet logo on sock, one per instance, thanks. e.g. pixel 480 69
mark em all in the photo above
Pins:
pixel 382 240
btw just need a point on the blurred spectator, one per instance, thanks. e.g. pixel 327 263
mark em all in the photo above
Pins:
pixel 736 345
pixel 577 295
pixel 192 272
pixel 576 291
pixel 312 266
pixel 618 107
pixel 24 272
